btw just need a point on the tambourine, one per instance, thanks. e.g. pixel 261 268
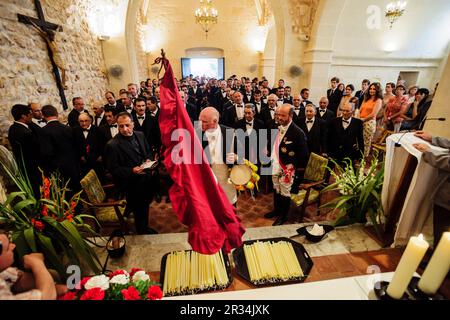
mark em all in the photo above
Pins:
pixel 240 174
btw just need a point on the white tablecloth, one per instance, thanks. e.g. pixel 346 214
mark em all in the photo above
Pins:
pixel 351 288
pixel 416 212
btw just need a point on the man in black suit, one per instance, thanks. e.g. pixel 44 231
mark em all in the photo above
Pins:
pixel 345 136
pixel 304 93
pixel 99 114
pixel 125 156
pixel 127 103
pixel 323 112
pixel 59 149
pixel 112 102
pixel 88 140
pixel 220 97
pixel 299 109
pixel 247 132
pixel 247 93
pixel 268 113
pixel 196 92
pixel 334 95
pixel 287 95
pixel 360 93
pixel 25 144
pixel 152 108
pixel 78 107
pixel 235 112
pixel 190 108
pixel 290 152
pixel 315 130
pixel 146 124
pixel 259 105
pixel 36 111
pixel 110 130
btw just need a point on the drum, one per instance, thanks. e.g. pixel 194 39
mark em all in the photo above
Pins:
pixel 240 174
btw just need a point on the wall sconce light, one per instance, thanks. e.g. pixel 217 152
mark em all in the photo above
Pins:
pixel 103 38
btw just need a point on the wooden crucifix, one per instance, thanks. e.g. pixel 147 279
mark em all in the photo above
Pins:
pixel 47 31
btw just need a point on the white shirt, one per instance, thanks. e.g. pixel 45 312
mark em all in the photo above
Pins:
pixel 249 126
pixel 140 119
pixel 85 133
pixel 130 109
pixel 258 107
pixel 280 102
pixel 239 111
pixel 297 111
pixel 99 119
pixel 40 123
pixel 344 124
pixel 215 145
pixel 114 130
pixel 276 168
pixel 322 111
pixel 272 112
pixel 309 124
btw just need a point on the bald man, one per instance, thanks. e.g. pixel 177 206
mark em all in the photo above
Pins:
pixel 323 112
pixel 289 153
pixel 219 144
pixel 88 140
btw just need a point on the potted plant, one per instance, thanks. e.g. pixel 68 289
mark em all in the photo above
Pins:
pixel 49 225
pixel 360 193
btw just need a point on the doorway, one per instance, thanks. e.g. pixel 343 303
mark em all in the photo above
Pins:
pixel 409 77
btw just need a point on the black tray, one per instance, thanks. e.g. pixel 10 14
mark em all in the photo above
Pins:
pixel 163 271
pixel 303 257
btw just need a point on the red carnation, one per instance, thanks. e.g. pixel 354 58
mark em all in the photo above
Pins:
pixel 131 294
pixel 44 210
pixel 134 270
pixel 38 225
pixel 68 296
pixel 81 284
pixel 115 273
pixel 93 294
pixel 154 293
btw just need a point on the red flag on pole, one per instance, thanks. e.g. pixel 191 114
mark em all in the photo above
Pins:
pixel 197 198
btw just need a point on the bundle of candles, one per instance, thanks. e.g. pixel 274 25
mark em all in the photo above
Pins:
pixel 272 262
pixel 188 272
pixel 434 274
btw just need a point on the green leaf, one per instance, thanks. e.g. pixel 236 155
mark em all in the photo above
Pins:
pixel 29 237
pixel 24 204
pixel 51 255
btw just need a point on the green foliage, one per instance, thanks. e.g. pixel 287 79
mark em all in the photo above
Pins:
pixel 49 225
pixel 360 192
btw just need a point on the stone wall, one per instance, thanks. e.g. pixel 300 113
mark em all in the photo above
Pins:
pixel 25 69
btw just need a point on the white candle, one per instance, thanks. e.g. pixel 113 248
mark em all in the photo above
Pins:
pixel 414 252
pixel 438 267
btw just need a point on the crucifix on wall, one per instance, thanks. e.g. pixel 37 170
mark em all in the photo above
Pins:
pixel 47 31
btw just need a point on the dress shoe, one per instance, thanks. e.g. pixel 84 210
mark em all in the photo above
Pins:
pixel 271 214
pixel 151 231
pixel 280 220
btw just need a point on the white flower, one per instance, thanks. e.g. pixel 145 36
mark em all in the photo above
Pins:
pixel 100 281
pixel 120 279
pixel 140 275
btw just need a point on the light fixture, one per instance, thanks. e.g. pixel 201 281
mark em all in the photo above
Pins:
pixel 206 15
pixel 394 10
pixel 103 37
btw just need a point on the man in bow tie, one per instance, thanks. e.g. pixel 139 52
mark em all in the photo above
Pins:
pixel 112 102
pixel 345 135
pixel 289 153
pixel 334 95
pixel 127 104
pixel 78 108
pixel 38 119
pixel 88 141
pixel 235 112
pixel 315 130
pixel 323 112
pixel 268 112
pixel 99 113
pixel 109 130
pixel 299 109
pixel 247 132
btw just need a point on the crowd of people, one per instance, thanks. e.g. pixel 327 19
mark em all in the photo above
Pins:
pixel 279 129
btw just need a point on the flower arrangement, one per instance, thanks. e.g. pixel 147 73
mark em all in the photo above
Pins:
pixel 49 225
pixel 118 285
pixel 253 183
pixel 360 192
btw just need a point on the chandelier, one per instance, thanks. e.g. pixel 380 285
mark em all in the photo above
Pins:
pixel 206 15
pixel 394 10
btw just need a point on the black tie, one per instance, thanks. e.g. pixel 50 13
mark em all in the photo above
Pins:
pixel 309 121
pixel 41 121
pixel 346 121
pixel 322 111
pixel 249 123
pixel 85 130
pixel 239 106
pixel 113 126
pixel 141 117
pixel 129 108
